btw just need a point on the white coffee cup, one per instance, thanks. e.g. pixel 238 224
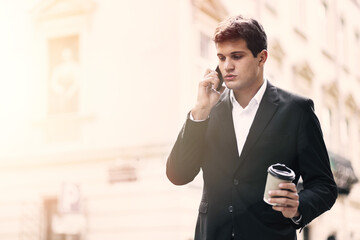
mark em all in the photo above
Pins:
pixel 277 173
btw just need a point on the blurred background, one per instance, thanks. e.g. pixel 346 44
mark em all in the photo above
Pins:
pixel 94 92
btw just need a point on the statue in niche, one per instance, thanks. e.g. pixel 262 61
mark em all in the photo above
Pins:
pixel 64 83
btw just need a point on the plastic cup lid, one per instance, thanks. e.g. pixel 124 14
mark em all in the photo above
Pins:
pixel 281 171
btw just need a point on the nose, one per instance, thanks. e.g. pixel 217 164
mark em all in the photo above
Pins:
pixel 228 65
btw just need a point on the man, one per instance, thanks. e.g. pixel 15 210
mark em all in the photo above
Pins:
pixel 235 134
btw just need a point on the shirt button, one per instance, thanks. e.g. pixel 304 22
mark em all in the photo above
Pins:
pixel 231 209
pixel 236 182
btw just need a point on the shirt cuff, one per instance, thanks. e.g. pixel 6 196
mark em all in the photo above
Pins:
pixel 191 117
pixel 297 220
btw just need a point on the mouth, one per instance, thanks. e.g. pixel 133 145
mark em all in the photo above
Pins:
pixel 230 77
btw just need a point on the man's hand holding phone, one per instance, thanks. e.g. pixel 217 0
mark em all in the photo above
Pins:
pixel 209 91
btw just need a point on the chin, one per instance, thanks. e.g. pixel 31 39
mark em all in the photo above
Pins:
pixel 232 86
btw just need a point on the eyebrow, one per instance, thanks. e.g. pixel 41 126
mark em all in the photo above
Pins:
pixel 232 53
pixel 237 52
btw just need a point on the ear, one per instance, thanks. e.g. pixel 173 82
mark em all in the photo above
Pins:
pixel 262 56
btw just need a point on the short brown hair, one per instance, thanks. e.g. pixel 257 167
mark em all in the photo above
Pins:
pixel 238 27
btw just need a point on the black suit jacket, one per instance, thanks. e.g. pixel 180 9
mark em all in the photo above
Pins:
pixel 285 130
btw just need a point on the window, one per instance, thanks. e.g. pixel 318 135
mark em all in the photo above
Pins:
pixel 205 45
pixel 206 53
pixel 356 51
pixel 299 11
pixel 343 46
pixel 325 18
pixel 326 120
pixel 344 130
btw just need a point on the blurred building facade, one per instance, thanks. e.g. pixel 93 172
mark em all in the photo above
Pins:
pixel 96 92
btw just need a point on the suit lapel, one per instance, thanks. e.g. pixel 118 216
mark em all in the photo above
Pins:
pixel 265 112
pixel 225 120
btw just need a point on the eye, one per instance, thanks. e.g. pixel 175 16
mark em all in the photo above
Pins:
pixel 237 57
pixel 222 58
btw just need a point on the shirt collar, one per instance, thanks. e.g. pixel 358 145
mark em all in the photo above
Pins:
pixel 256 99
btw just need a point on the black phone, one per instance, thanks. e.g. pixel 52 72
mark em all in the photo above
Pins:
pixel 220 78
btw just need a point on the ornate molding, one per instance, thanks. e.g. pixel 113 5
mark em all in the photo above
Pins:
pixel 212 8
pixel 55 9
pixel 304 71
pixel 272 9
pixel 332 90
pixel 351 104
pixel 328 55
pixel 277 52
pixel 300 33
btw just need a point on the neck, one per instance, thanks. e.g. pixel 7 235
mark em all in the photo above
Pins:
pixel 243 96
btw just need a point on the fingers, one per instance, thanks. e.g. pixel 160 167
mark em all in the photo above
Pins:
pixel 288 186
pixel 285 200
pixel 210 80
pixel 288 204
pixel 208 71
pixel 287 211
pixel 287 195
pixel 284 194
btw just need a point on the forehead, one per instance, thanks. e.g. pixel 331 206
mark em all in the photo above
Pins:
pixel 227 47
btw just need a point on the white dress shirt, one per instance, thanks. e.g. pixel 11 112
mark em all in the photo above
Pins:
pixel 244 117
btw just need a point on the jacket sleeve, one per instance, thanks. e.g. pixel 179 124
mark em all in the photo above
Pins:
pixel 320 191
pixel 185 159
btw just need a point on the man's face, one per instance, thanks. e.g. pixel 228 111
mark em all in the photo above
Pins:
pixel 240 69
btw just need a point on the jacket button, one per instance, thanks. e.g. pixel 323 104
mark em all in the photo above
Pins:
pixel 231 209
pixel 236 182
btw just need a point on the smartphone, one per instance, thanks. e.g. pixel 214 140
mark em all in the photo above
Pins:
pixel 220 78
